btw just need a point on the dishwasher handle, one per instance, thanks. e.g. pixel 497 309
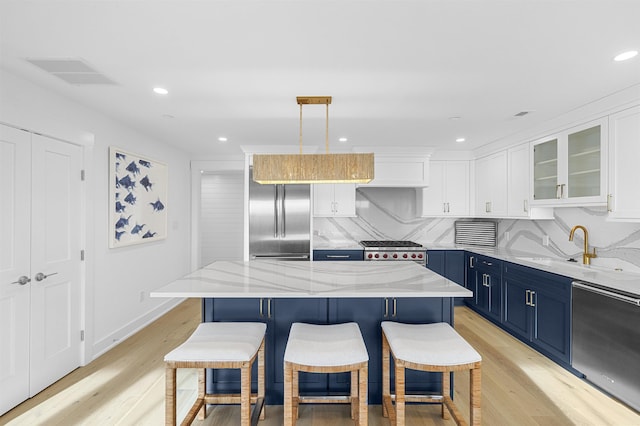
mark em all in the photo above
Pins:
pixel 607 293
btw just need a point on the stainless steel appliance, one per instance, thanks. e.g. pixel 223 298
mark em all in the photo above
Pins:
pixel 606 339
pixel 279 221
pixel 394 250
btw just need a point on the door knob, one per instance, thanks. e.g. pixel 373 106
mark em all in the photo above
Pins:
pixel 40 276
pixel 22 280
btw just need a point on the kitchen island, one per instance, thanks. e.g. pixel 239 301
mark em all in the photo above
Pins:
pixel 282 292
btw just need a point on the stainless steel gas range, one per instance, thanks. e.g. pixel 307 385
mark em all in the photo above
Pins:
pixel 394 250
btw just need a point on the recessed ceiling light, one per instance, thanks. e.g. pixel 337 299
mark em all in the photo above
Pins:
pixel 460 139
pixel 455 117
pixel 160 90
pixel 343 139
pixel 222 139
pixel 625 55
pixel 168 116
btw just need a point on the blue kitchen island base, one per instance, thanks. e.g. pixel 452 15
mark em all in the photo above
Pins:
pixel 368 312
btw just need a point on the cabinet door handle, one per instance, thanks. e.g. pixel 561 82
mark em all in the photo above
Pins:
pixel 471 260
pixel 488 280
pixel 444 207
pixel 260 308
pixel 609 202
pixel 395 308
pixel 526 297
pixel 532 303
pixel 526 206
pixel 386 307
pixel 426 259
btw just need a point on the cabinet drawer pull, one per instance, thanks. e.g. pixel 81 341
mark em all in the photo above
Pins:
pixel 337 256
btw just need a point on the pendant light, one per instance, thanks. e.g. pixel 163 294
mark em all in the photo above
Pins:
pixel 313 168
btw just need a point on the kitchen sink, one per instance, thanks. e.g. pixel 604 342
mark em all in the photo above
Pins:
pixel 586 271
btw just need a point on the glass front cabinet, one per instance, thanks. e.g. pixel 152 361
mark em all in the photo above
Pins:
pixel 569 168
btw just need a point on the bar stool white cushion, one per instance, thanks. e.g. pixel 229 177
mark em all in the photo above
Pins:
pixel 325 345
pixel 220 341
pixel 432 344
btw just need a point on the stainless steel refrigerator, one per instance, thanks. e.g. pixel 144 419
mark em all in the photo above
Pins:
pixel 279 220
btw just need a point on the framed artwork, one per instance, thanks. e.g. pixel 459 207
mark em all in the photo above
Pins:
pixel 137 199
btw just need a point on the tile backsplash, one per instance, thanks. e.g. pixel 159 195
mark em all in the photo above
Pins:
pixel 390 213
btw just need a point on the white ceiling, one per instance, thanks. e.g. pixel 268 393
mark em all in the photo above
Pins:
pixel 397 70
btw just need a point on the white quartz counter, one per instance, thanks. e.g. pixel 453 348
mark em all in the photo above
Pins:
pixel 271 278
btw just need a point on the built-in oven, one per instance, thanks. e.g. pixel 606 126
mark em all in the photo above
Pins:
pixel 390 250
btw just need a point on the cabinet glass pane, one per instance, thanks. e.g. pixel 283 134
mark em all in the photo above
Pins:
pixel 545 170
pixel 584 163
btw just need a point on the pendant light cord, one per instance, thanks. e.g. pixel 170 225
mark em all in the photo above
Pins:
pixel 300 128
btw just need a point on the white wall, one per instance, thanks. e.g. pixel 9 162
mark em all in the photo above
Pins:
pixel 116 279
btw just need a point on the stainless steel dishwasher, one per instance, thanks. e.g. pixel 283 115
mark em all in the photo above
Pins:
pixel 606 339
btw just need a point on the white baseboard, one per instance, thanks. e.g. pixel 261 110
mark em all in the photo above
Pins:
pixel 132 327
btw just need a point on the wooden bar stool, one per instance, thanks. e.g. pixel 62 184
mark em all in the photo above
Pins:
pixel 219 345
pixel 334 348
pixel 427 347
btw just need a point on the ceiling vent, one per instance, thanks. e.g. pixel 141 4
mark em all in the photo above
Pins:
pixel 73 71
pixel 522 113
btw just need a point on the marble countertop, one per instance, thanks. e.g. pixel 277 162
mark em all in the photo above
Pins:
pixel 626 281
pixel 271 278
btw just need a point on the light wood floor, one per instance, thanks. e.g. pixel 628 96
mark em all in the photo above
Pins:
pixel 126 386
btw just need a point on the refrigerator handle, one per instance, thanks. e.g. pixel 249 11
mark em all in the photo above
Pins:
pixel 282 213
pixel 275 211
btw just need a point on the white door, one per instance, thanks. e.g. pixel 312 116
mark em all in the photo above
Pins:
pixel 41 215
pixel 15 258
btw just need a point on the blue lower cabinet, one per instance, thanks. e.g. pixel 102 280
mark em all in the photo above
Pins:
pixel 484 278
pixel 279 314
pixel 538 310
pixel 454 266
pixel 435 261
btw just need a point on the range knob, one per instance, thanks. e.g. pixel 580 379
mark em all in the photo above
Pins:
pixel 385 255
pixel 370 256
pixel 395 255
pixel 377 255
pixel 413 256
pixel 420 256
pixel 405 255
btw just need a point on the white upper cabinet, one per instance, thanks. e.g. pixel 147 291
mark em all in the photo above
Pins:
pixel 624 160
pixel 518 178
pixel 570 168
pixel 518 181
pixel 334 200
pixel 400 171
pixel 491 185
pixel 448 190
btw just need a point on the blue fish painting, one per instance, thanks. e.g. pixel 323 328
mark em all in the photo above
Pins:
pixel 145 163
pixel 133 168
pixel 137 229
pixel 131 199
pixel 119 234
pixel 146 183
pixel 149 234
pixel 127 183
pixel 120 207
pixel 122 222
pixel 157 206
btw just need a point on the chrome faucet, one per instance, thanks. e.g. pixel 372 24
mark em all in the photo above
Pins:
pixel 586 256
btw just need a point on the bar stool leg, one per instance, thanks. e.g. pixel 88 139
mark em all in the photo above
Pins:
pixel 475 387
pixel 261 384
pixel 386 376
pixel 289 419
pixel 446 390
pixel 170 399
pixel 296 395
pixel 354 394
pixel 245 395
pixel 363 396
pixel 202 373
pixel 399 392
